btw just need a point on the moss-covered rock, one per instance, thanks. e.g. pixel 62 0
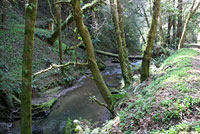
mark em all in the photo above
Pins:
pixel 42 109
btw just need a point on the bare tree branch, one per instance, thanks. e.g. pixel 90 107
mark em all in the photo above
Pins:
pixel 54 66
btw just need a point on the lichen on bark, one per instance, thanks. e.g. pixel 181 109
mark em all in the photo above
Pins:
pixel 26 114
pixel 84 33
pixel 150 40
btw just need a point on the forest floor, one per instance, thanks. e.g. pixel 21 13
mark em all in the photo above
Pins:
pixel 167 103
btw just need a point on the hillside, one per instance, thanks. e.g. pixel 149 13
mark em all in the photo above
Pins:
pixel 11 48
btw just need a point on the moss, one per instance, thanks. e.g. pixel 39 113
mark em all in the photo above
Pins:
pixel 44 106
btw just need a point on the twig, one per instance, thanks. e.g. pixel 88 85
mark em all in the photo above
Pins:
pixel 16 99
pixel 99 102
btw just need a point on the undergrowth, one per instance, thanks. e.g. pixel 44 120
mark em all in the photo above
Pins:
pixel 11 47
pixel 167 100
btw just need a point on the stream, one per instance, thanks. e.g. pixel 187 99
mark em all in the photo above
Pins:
pixel 75 103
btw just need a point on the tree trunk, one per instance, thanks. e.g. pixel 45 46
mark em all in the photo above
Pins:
pixel 84 33
pixel 174 26
pixel 26 114
pixel 180 20
pixel 70 19
pixel 51 12
pixel 58 16
pixel 150 11
pixel 4 11
pixel 143 39
pixel 145 15
pixel 150 39
pixel 121 43
pixel 75 41
pixel 161 30
pixel 169 29
pixel 191 13
pixel 123 36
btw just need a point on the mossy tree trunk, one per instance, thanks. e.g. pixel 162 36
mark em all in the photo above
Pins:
pixel 180 21
pixel 26 114
pixel 58 16
pixel 150 40
pixel 123 36
pixel 121 41
pixel 84 33
pixel 191 13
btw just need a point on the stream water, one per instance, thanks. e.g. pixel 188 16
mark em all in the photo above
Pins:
pixel 75 104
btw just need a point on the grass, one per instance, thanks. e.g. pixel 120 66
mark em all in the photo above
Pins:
pixel 168 99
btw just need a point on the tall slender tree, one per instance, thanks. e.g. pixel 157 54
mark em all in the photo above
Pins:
pixel 123 36
pixel 145 15
pixel 168 40
pixel 174 24
pixel 161 30
pixel 150 40
pixel 180 20
pixel 26 113
pixel 84 33
pixel 121 41
pixel 58 16
pixel 191 13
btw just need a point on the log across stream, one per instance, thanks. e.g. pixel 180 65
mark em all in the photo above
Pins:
pixel 75 104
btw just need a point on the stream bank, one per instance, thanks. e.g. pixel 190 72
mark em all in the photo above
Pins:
pixel 74 103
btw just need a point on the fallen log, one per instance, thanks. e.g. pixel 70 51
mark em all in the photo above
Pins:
pixel 137 57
